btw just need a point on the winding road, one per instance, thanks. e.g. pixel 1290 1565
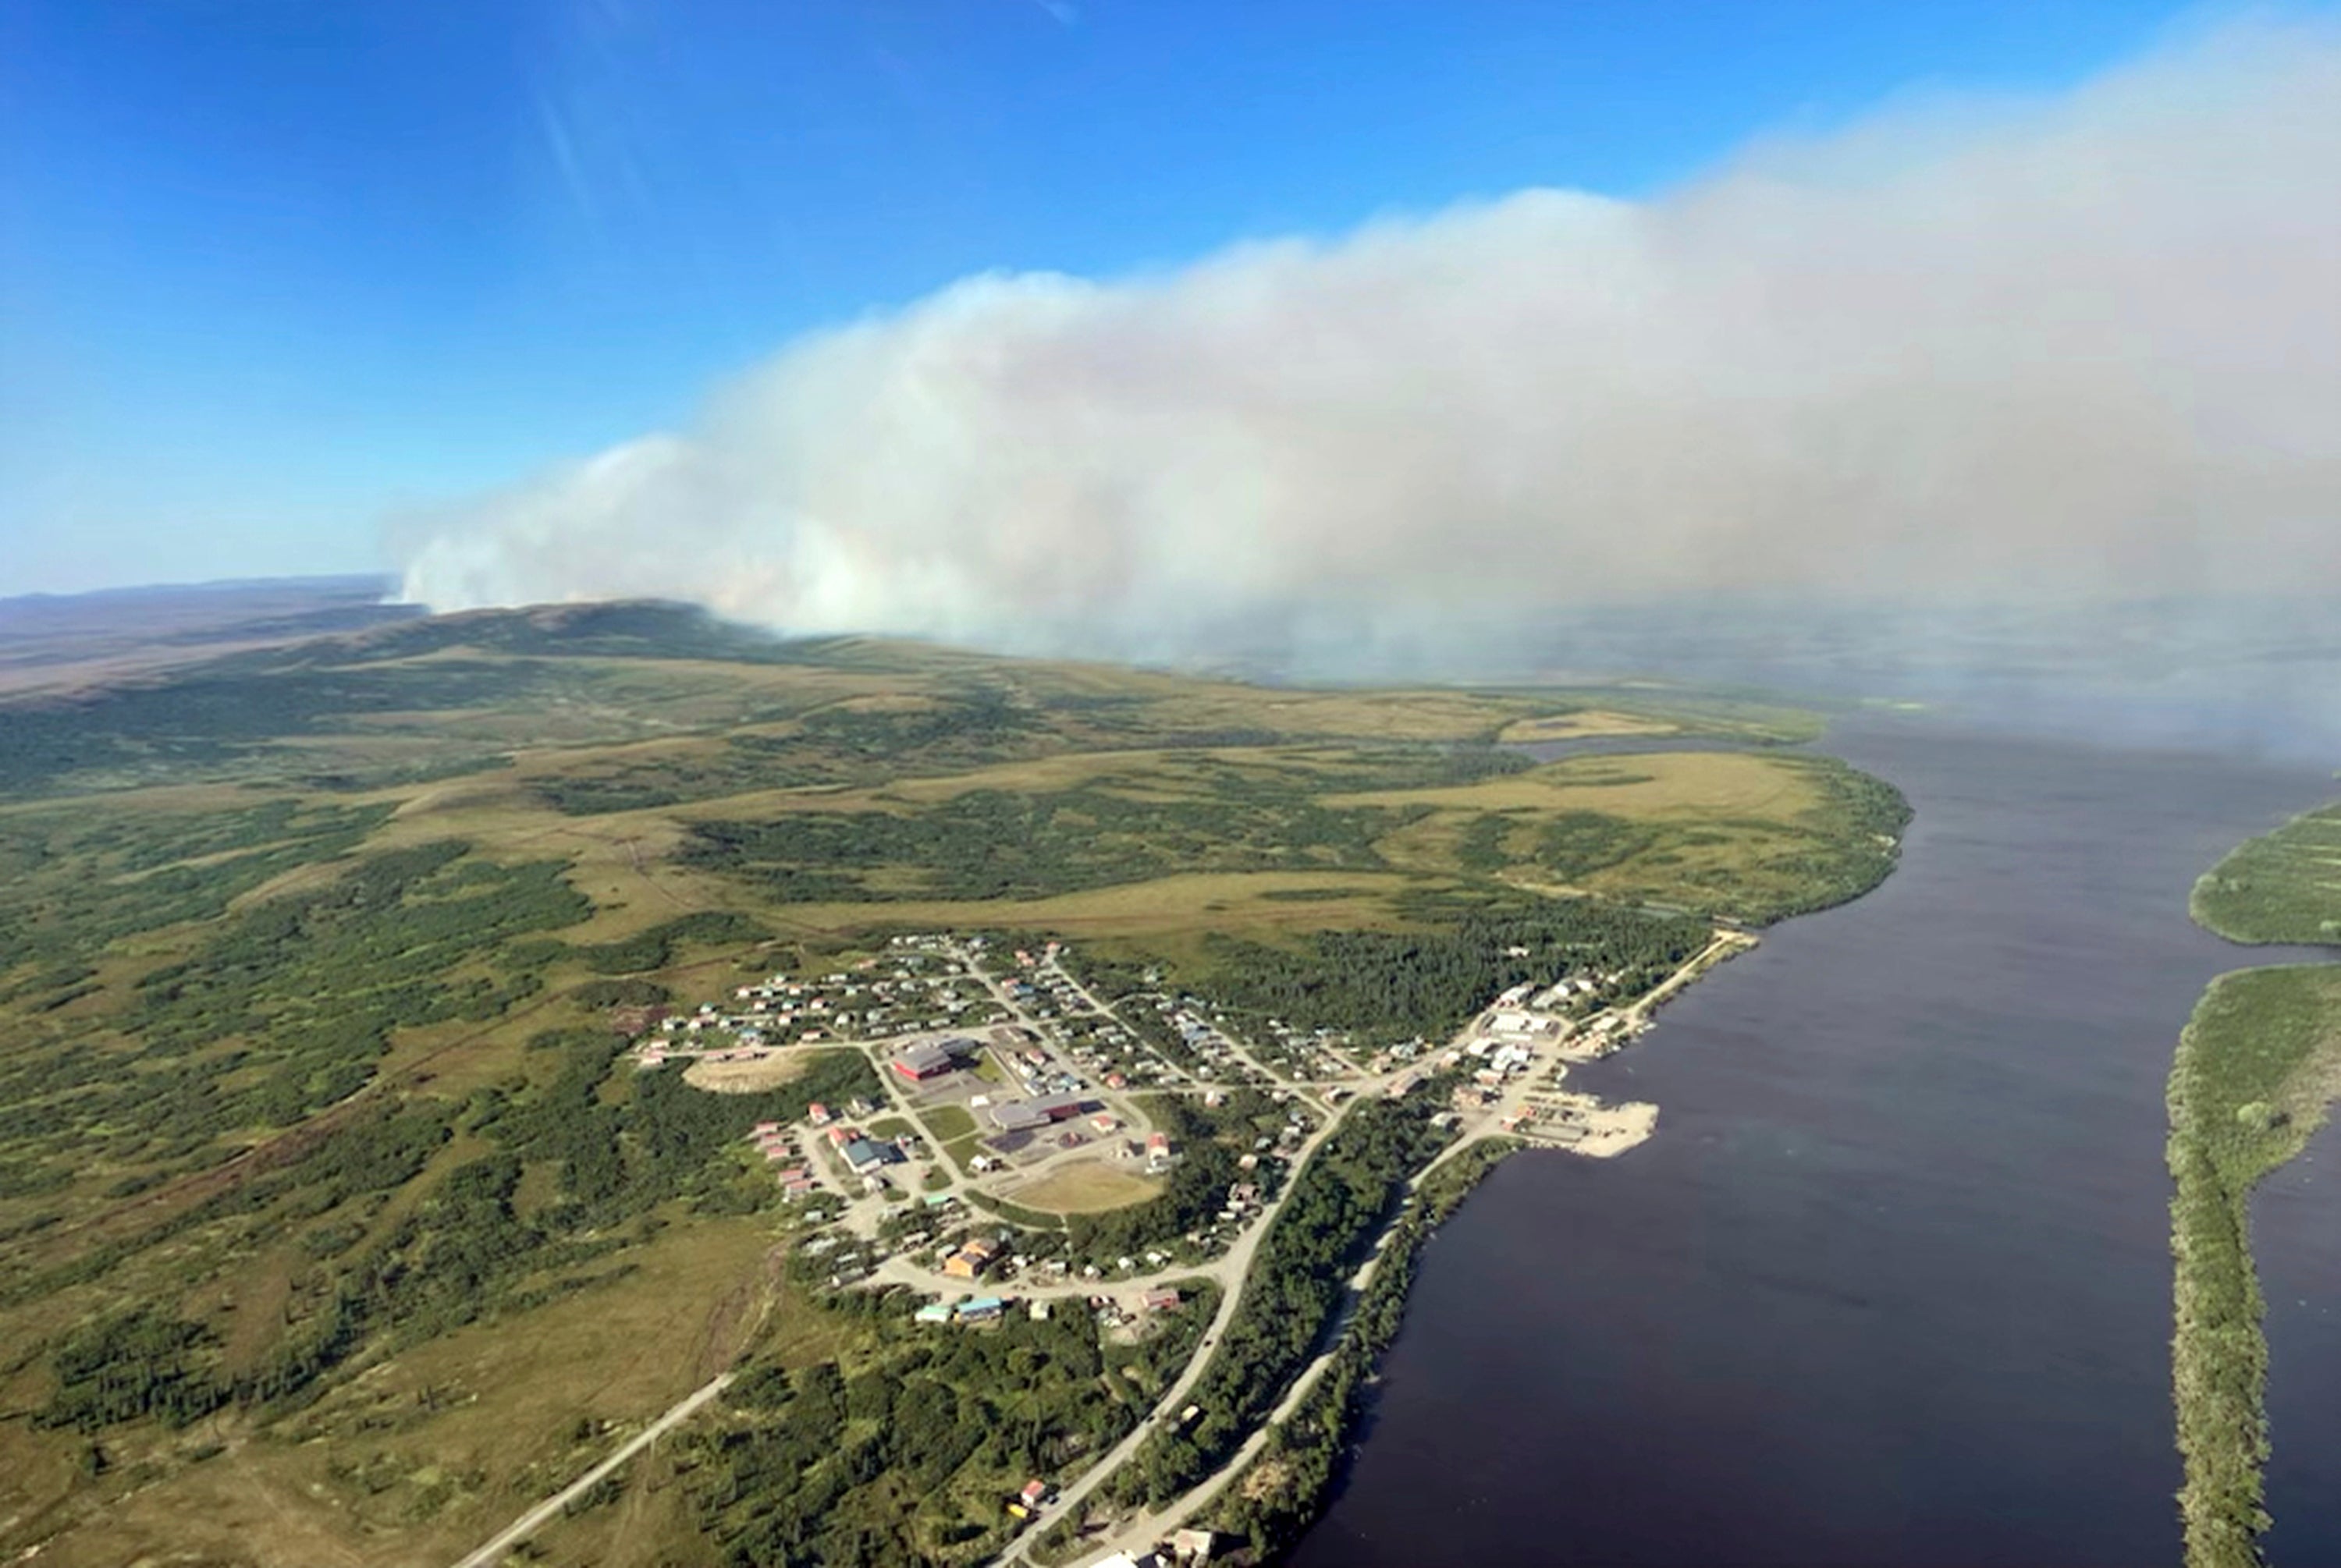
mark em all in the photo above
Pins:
pixel 1231 1270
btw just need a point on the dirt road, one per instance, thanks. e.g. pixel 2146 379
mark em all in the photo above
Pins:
pixel 536 1518
pixel 1232 1271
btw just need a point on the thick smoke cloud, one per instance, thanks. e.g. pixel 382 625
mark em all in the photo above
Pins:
pixel 2080 347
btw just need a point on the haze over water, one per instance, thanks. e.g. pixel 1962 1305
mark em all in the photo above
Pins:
pixel 1892 1283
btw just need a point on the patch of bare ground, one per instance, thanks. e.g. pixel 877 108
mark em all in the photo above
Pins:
pixel 1268 1478
pixel 746 1078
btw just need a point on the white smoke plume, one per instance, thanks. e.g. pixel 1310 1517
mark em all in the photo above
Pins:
pixel 2079 346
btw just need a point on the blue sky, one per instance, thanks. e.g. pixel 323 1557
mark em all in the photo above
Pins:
pixel 271 270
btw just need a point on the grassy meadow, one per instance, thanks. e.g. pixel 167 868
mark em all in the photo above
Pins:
pixel 2283 887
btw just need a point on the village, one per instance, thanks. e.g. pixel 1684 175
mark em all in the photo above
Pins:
pixel 1016 1102
pixel 1011 1096
pixel 1013 1090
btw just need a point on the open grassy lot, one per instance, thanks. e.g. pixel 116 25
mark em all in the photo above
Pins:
pixel 1660 783
pixel 1580 725
pixel 1653 708
pixel 2256 1070
pixel 1164 909
pixel 1086 1186
pixel 948 1124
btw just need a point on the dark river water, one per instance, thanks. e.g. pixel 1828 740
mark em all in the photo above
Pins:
pixel 1891 1284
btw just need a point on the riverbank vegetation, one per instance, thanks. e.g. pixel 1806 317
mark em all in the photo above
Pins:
pixel 2257 1069
pixel 1280 1494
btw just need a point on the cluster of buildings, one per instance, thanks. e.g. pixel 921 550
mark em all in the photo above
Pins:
pixel 1312 1053
pixel 862 1155
pixel 1244 1198
pixel 1109 1313
pixel 1512 1024
pixel 1040 985
pixel 1502 1061
pixel 1040 1073
pixel 1307 1053
pixel 1184 1546
pixel 1512 1035
pixel 926 986
pixel 1563 992
pixel 865 1155
pixel 1093 1042
pixel 779 1147
pixel 1206 1040
pixel 821 1115
pixel 974 1309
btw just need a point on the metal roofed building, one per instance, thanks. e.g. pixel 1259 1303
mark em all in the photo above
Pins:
pixel 927 1059
pixel 865 1155
pixel 1021 1116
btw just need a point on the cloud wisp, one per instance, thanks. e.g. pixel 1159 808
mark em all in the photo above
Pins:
pixel 2082 346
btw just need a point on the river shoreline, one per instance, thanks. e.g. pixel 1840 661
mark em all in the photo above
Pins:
pixel 1894 1288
